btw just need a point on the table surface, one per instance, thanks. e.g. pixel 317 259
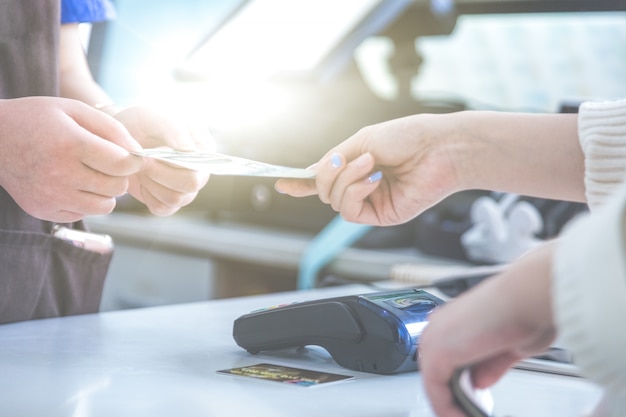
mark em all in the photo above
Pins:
pixel 162 361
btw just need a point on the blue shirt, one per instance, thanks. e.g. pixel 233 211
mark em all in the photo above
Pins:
pixel 86 11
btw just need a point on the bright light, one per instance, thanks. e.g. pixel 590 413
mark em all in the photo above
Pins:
pixel 269 37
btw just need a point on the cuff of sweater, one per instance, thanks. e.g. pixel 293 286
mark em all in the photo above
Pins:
pixel 602 135
pixel 589 294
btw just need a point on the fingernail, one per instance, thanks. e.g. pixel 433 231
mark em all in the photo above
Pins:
pixel 376 176
pixel 335 160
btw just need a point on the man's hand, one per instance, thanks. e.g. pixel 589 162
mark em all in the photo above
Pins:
pixel 62 160
pixel 162 187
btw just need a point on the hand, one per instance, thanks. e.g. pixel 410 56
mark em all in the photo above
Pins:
pixel 491 327
pixel 63 160
pixel 386 173
pixel 162 187
pixel 390 172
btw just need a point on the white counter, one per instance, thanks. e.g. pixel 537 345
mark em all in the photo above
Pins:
pixel 162 361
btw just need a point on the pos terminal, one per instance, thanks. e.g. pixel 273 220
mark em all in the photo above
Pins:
pixel 375 332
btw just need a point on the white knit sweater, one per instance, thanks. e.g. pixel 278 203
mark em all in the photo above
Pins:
pixel 590 264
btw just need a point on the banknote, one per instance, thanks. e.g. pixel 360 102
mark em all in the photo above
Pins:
pixel 221 164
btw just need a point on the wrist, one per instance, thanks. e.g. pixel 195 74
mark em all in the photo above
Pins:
pixel 493 150
pixel 457 142
pixel 473 146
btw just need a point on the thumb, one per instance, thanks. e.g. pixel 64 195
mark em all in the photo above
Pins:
pixel 175 134
pixel 154 129
pixel 103 125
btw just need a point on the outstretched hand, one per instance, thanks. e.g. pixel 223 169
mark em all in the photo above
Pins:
pixel 379 176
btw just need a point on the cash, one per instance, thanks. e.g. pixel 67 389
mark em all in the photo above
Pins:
pixel 220 164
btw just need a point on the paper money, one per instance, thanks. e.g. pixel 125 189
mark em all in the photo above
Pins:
pixel 220 164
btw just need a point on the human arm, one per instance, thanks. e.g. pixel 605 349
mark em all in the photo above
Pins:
pixel 586 285
pixel 162 187
pixel 575 285
pixel 425 158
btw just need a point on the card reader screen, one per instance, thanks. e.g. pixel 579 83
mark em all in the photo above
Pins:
pixel 415 302
pixel 405 311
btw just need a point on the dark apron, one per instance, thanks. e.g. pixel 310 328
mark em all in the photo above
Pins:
pixel 40 275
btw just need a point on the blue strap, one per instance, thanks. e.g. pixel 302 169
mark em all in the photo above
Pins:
pixel 336 236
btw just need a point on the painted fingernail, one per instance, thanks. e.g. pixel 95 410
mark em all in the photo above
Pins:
pixel 335 160
pixel 376 176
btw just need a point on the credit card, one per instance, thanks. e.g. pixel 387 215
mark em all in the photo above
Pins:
pixel 286 374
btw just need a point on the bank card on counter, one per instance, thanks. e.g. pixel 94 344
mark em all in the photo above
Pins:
pixel 221 164
pixel 286 375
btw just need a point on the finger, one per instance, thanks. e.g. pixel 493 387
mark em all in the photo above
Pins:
pixel 441 399
pixel 160 130
pixel 101 184
pixel 103 126
pixel 295 187
pixel 162 198
pixel 154 203
pixel 437 362
pixel 355 205
pixel 174 178
pixel 487 373
pixel 106 142
pixel 354 171
pixel 88 204
pixel 327 170
pixel 108 158
pixel 170 199
pixel 436 376
pixel 174 135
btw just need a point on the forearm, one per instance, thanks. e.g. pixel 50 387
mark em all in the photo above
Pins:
pixel 76 80
pixel 83 89
pixel 529 154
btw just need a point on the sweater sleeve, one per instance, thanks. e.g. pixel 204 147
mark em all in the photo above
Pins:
pixel 589 297
pixel 602 135
pixel 589 288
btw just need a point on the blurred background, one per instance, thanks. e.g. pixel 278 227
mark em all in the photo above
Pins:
pixel 282 81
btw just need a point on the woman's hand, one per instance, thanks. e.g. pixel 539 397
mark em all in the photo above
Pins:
pixel 504 319
pixel 385 174
pixel 390 172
